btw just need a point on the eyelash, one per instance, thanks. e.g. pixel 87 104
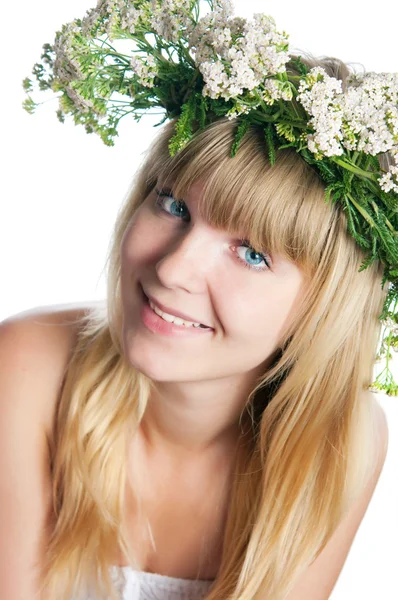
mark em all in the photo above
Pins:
pixel 164 194
pixel 168 194
pixel 265 258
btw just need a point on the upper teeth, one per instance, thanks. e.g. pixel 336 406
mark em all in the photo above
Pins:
pixel 172 318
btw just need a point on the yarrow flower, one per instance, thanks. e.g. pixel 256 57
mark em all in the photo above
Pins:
pixel 131 17
pixel 267 49
pixel 67 67
pixel 362 119
pixel 235 55
pixel 145 68
pixel 105 18
pixel 84 104
pixel 389 181
pixel 370 113
pixel 321 96
pixel 113 20
pixel 170 18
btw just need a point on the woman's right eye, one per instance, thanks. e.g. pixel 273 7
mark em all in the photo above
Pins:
pixel 167 203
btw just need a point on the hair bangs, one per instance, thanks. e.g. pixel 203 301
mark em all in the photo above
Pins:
pixel 278 209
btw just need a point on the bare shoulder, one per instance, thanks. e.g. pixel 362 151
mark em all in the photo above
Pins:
pixel 34 350
pixel 35 347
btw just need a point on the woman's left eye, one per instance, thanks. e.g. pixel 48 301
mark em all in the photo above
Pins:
pixel 252 259
pixel 176 208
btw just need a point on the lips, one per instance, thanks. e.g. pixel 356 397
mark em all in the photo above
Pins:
pixel 173 311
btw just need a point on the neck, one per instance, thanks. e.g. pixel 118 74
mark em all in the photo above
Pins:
pixel 195 418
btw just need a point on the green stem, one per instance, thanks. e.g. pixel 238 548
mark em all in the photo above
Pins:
pixel 113 100
pixel 353 168
pixel 296 108
pixel 260 117
pixel 106 52
pixel 362 211
pixel 262 103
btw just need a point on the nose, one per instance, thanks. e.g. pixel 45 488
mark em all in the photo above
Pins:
pixel 186 260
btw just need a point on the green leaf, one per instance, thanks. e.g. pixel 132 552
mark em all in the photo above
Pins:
pixel 240 133
pixel 27 84
pixel 29 105
pixel 202 111
pixel 300 66
pixel 183 127
pixel 388 241
pixel 371 258
pixel 270 143
pixel 352 222
pixel 285 130
pixel 326 171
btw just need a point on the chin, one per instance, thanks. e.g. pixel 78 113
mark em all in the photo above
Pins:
pixel 149 363
pixel 159 368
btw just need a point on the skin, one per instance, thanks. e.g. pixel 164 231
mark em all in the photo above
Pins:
pixel 201 382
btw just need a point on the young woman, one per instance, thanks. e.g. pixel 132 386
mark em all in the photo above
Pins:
pixel 163 435
pixel 207 431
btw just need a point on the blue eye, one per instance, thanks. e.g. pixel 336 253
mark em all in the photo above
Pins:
pixel 175 208
pixel 254 259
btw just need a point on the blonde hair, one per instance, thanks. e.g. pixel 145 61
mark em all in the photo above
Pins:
pixel 305 451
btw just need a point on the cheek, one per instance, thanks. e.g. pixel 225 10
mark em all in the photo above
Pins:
pixel 258 314
pixel 140 240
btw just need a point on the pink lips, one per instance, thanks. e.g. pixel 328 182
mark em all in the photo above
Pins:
pixel 156 324
pixel 172 311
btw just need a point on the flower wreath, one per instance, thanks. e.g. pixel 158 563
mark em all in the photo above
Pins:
pixel 127 57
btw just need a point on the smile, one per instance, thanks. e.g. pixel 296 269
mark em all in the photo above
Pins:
pixel 166 324
pixel 171 318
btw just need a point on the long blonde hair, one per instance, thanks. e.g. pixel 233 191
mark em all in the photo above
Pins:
pixel 306 446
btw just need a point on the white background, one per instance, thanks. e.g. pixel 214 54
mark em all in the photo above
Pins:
pixel 61 189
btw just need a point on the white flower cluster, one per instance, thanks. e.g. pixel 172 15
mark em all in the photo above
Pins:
pixel 91 19
pixel 145 68
pixel 117 13
pixel 170 18
pixel 321 97
pixel 389 181
pixel 66 66
pixel 83 104
pixel 234 54
pixel 242 60
pixel 130 17
pixel 363 119
pixel 370 113
pixel 113 16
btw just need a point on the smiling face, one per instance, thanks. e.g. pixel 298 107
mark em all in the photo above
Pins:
pixel 189 267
